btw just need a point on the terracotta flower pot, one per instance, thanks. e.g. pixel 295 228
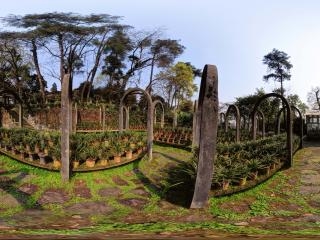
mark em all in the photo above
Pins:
pixel 90 162
pixel 225 184
pixel 117 159
pixel 129 154
pixel 22 155
pixel 103 162
pixel 75 164
pixel 242 181
pixel 42 158
pixel 56 163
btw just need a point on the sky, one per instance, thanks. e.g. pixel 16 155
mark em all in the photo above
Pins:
pixel 234 35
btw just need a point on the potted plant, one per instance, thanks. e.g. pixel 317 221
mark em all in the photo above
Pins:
pixel 221 176
pixel 241 172
pixel 20 148
pixel 55 153
pixel 103 153
pixel 254 165
pixel 129 147
pixel 117 150
pixel 41 151
pixel 91 156
pixel 77 147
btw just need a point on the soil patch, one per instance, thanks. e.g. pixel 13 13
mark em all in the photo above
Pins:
pixel 141 192
pixel 109 191
pixel 119 181
pixel 136 203
pixel 28 188
pixel 238 206
pixel 89 208
pixel 53 196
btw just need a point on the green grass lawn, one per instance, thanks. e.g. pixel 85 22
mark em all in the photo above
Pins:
pixel 158 205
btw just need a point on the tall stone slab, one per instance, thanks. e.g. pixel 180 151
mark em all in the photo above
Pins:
pixel 208 106
pixel 66 127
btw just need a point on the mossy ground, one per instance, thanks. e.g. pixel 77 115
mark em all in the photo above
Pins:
pixel 136 199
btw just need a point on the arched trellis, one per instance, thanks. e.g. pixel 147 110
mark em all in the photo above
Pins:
pixel 289 123
pixel 125 109
pixel 260 113
pixel 155 103
pixel 301 123
pixel 243 121
pixel 149 116
pixel 234 108
pixel 244 115
pixel 5 94
pixel 222 116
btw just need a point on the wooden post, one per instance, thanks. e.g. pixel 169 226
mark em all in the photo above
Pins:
pixel 208 107
pixel 127 109
pixel 195 125
pixel 149 127
pixel 66 89
pixel 162 119
pixel 155 117
pixel 75 117
pixel 175 117
pixel 121 117
pixel 103 117
pixel 20 115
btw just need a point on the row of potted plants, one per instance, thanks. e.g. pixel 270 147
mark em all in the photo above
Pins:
pixel 183 136
pixel 45 147
pixel 235 163
pixel 105 147
pixel 179 136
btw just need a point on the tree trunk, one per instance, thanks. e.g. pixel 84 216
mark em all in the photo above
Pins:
pixel 149 87
pixel 94 71
pixel 61 49
pixel 37 67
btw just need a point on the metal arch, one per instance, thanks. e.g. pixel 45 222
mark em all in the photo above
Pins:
pixel 289 123
pixel 149 116
pixel 259 112
pixel 222 115
pixel 301 123
pixel 154 104
pixel 237 112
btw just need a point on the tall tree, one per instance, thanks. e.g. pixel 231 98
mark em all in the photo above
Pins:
pixel 278 67
pixel 65 36
pixel 162 53
pixel 128 55
pixel 177 81
pixel 27 40
pixel 294 100
pixel 15 70
pixel 314 98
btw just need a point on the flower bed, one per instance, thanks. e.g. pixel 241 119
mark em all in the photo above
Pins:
pixel 89 151
pixel 238 166
pixel 174 136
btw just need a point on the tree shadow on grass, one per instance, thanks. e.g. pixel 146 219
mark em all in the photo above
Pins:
pixel 8 185
pixel 177 186
pixel 311 143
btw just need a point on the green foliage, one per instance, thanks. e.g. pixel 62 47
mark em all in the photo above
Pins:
pixel 278 66
pixel 236 160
